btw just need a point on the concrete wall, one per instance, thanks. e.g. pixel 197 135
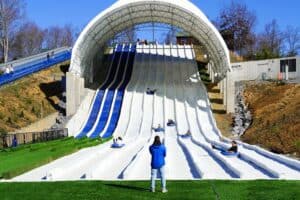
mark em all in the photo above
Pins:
pixel 253 70
pixel 75 92
pixel 41 125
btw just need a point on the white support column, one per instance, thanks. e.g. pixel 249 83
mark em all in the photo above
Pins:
pixel 287 72
pixel 230 93
pixel 75 92
pixel 224 91
pixel 221 84
pixel 91 73
pixel 212 75
pixel 70 87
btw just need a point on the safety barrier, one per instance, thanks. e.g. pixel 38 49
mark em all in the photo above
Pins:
pixel 10 140
pixel 29 69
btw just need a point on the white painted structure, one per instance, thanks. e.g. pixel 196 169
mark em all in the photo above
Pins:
pixel 254 70
pixel 88 49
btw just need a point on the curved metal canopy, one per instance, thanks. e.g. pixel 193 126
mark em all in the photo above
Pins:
pixel 127 13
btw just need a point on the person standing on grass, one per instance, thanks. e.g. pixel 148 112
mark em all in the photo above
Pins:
pixel 158 154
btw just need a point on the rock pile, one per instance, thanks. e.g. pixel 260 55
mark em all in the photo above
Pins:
pixel 61 120
pixel 242 116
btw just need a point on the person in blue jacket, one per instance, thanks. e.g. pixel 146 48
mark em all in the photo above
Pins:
pixel 158 154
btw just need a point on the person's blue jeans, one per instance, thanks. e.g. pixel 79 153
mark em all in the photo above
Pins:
pixel 154 175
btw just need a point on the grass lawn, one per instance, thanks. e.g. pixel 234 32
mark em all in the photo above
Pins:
pixel 15 161
pixel 139 190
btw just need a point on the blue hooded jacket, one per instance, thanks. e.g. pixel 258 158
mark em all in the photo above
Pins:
pixel 158 156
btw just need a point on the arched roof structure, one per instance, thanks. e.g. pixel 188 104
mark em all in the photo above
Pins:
pixel 127 13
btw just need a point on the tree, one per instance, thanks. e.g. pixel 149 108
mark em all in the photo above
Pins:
pixel 270 42
pixel 11 11
pixel 53 36
pixel 171 34
pixel 126 36
pixel 59 36
pixel 67 35
pixel 292 40
pixel 28 40
pixel 236 24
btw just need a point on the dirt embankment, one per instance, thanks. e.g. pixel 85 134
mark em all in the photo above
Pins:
pixel 276 116
pixel 30 99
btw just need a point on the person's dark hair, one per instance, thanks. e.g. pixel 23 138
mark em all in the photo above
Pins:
pixel 156 141
pixel 234 142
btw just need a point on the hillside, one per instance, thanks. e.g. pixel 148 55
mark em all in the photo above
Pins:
pixel 29 99
pixel 276 111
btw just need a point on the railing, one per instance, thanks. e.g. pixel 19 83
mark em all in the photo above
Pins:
pixel 11 140
pixel 33 58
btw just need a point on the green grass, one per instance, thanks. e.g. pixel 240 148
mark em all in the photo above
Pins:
pixel 15 161
pixel 231 190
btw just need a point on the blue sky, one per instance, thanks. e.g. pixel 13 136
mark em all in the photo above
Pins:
pixel 79 12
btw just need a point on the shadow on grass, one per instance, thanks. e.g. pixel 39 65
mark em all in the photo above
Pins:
pixel 127 187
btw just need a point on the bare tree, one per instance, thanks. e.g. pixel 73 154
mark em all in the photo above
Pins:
pixel 236 25
pixel 126 36
pixel 11 12
pixel 53 37
pixel 292 39
pixel 67 35
pixel 28 40
pixel 59 36
pixel 270 42
pixel 171 35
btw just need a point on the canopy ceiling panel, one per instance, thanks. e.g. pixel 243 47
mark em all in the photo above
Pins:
pixel 127 13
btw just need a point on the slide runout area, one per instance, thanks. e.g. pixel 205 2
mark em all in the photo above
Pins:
pixel 109 96
pixel 56 169
pixel 98 99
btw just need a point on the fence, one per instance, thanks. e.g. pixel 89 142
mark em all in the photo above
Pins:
pixel 10 140
pixel 34 58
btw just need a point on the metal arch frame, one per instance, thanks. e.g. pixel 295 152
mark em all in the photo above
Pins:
pixel 183 13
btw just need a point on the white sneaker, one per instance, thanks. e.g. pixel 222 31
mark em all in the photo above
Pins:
pixel 164 190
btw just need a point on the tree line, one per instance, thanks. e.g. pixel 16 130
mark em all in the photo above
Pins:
pixel 236 24
pixel 20 37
